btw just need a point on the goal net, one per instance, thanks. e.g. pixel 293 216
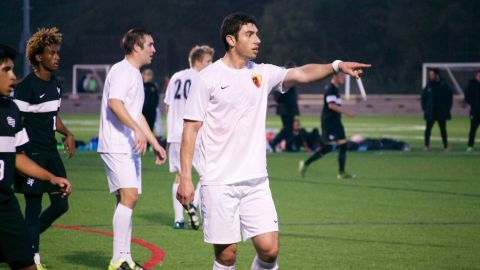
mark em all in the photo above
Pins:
pixel 456 73
pixel 88 78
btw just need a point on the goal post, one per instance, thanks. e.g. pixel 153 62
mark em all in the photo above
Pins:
pixel 96 72
pixel 361 88
pixel 449 68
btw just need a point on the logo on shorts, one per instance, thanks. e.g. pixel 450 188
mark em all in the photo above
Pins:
pixel 257 80
pixel 30 181
pixel 11 121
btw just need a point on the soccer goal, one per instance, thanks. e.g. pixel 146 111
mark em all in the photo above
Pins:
pixel 455 72
pixel 348 87
pixel 88 78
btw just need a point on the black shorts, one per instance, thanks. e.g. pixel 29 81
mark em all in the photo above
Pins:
pixel 15 247
pixel 332 131
pixel 52 162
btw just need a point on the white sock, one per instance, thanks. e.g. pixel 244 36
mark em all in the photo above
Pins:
pixel 122 219
pixel 128 256
pixel 177 206
pixel 196 199
pixel 36 258
pixel 219 266
pixel 261 265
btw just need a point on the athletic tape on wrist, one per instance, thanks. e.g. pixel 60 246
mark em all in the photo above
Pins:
pixel 335 65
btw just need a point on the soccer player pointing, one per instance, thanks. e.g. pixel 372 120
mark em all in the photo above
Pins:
pixel 229 104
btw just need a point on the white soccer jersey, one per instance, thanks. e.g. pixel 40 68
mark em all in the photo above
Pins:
pixel 123 82
pixel 176 97
pixel 232 103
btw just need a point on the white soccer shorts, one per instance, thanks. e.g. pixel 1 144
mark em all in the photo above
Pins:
pixel 236 211
pixel 123 171
pixel 174 158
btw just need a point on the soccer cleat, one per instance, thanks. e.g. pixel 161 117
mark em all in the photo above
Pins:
pixel 136 266
pixel 41 266
pixel 345 176
pixel 192 213
pixel 179 225
pixel 120 265
pixel 469 149
pixel 302 168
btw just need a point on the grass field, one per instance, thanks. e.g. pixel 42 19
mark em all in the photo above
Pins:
pixel 405 210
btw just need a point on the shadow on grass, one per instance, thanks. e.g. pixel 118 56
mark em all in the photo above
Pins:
pixel 366 241
pixel 89 259
pixel 159 218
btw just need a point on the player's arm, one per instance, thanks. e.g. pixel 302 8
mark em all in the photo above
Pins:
pixel 160 155
pixel 119 110
pixel 69 143
pixel 314 72
pixel 334 107
pixel 186 191
pixel 28 167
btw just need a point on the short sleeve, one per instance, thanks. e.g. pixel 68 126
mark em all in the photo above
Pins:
pixel 168 92
pixel 120 82
pixel 21 136
pixel 276 76
pixel 23 95
pixel 197 102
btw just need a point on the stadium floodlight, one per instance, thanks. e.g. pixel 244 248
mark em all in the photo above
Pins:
pixel 98 72
pixel 361 88
pixel 448 68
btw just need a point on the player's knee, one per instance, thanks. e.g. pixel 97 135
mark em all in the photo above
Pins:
pixel 129 199
pixel 268 253
pixel 226 255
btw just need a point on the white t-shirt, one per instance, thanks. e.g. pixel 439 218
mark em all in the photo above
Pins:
pixel 123 82
pixel 176 97
pixel 232 103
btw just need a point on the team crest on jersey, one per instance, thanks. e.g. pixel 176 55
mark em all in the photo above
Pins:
pixel 257 80
pixel 11 121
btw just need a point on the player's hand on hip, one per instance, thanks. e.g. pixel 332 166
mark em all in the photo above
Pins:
pixel 140 141
pixel 63 183
pixel 160 155
pixel 69 145
pixel 185 192
pixel 353 69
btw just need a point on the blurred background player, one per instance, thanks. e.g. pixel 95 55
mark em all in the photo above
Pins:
pixel 472 97
pixel 15 245
pixel 175 98
pixel 437 101
pixel 332 128
pixel 123 137
pixel 152 96
pixel 287 108
pixel 151 108
pixel 38 97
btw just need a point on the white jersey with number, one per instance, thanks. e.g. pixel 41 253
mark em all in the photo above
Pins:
pixel 123 82
pixel 232 103
pixel 176 97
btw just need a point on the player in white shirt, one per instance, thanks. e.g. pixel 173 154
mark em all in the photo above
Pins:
pixel 229 105
pixel 123 137
pixel 175 98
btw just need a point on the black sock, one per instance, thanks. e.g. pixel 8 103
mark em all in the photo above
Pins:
pixel 33 207
pixel 342 157
pixel 318 154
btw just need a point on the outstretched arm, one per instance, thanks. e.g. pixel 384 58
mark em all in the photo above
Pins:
pixel 28 167
pixel 186 191
pixel 314 72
